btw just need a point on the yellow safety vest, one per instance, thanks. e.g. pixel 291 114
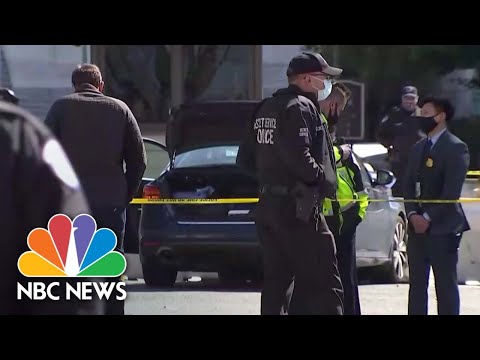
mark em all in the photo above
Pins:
pixel 345 189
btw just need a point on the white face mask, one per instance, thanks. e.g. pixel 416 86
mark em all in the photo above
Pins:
pixel 327 89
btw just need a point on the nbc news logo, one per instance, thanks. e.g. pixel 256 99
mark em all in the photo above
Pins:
pixel 71 250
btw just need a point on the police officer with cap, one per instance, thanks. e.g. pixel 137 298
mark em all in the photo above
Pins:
pixel 37 182
pixel 398 132
pixel 288 149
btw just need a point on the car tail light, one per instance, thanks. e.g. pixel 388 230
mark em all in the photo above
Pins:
pixel 151 191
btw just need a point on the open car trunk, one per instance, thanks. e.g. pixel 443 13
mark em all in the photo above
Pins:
pixel 210 183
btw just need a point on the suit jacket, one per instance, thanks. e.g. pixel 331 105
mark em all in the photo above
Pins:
pixel 441 175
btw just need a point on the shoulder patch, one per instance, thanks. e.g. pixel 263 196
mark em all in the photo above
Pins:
pixel 54 155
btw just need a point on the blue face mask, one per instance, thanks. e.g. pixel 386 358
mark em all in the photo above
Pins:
pixel 326 91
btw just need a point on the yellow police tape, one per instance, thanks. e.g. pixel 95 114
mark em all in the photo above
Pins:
pixel 141 201
pixel 255 200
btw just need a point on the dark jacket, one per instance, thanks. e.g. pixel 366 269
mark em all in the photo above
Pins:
pixel 99 133
pixel 286 143
pixel 37 182
pixel 399 131
pixel 441 174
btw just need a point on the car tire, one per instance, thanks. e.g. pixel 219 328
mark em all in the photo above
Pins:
pixel 396 270
pixel 159 276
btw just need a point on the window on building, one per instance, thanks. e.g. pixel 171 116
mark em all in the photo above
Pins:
pixel 39 74
pixel 140 76
pixel 218 72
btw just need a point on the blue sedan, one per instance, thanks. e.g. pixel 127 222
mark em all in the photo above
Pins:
pixel 199 162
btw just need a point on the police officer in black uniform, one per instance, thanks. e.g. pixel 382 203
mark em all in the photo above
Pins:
pixel 289 150
pixel 37 182
pixel 398 131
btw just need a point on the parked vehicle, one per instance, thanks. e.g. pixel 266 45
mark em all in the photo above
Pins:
pixel 382 237
pixel 199 161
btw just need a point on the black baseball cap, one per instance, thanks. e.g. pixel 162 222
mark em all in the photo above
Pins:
pixel 410 90
pixel 8 96
pixel 309 62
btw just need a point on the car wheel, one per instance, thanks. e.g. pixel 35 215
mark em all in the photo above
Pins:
pixel 396 270
pixel 158 276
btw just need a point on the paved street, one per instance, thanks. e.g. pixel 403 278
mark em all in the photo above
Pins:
pixel 208 297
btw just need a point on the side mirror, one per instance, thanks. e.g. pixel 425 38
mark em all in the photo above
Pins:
pixel 385 178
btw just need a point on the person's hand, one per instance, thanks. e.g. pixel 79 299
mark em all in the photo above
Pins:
pixel 346 151
pixel 420 224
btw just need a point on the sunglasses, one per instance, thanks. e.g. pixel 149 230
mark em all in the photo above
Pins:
pixel 327 77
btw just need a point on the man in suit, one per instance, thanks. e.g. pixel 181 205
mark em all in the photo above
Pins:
pixel 436 170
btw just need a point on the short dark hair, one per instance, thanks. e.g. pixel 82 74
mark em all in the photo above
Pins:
pixel 293 78
pixel 441 105
pixel 342 90
pixel 86 74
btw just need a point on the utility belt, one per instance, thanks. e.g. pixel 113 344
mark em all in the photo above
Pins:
pixel 297 191
pixel 307 199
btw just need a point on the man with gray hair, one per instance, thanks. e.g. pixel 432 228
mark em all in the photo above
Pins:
pixel 100 134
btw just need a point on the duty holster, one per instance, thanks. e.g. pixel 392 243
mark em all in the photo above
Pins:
pixel 306 199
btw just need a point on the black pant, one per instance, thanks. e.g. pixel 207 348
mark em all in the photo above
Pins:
pixel 347 258
pixel 398 170
pixel 293 249
pixel 441 253
pixel 114 219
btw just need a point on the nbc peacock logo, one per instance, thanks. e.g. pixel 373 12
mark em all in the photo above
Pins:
pixel 71 249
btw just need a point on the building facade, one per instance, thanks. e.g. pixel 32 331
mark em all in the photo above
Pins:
pixel 154 78
pixel 150 78
pixel 39 74
pixel 275 59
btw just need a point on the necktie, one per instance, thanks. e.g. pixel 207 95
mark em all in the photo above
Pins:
pixel 427 148
pixel 425 153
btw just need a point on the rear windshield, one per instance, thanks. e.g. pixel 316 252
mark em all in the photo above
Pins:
pixel 210 156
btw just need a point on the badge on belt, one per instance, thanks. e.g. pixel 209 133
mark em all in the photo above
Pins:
pixel 429 163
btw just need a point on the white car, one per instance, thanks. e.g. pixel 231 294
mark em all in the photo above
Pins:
pixel 381 240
